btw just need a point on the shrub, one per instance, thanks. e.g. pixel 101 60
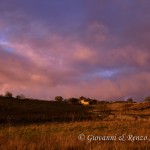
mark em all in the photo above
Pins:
pixel 59 98
pixel 147 99
pixel 73 100
pixel 130 100
pixel 21 96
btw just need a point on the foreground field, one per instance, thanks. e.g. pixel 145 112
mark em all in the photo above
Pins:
pixel 48 125
pixel 65 136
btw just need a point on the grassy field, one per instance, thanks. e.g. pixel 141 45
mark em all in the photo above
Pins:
pixel 14 111
pixel 43 125
pixel 64 136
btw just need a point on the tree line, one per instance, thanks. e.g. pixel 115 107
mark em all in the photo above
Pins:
pixel 10 95
pixel 69 100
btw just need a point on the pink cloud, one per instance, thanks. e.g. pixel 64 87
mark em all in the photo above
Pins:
pixel 99 62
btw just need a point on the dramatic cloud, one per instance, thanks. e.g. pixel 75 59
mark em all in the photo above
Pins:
pixel 98 49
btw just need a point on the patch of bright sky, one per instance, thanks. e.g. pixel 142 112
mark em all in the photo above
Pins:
pixel 106 73
pixel 5 44
pixel 102 74
pixel 3 39
pixel 8 49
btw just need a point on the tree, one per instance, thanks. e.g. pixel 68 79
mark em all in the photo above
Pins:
pixel 147 99
pixel 73 100
pixel 8 94
pixel 21 96
pixel 82 98
pixel 59 98
pixel 130 100
pixel 93 102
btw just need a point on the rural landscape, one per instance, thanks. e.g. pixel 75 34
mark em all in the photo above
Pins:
pixel 74 75
pixel 71 125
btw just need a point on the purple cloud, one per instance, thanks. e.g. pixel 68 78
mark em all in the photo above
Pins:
pixel 98 49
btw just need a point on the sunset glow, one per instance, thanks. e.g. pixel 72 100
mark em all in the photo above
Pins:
pixel 98 49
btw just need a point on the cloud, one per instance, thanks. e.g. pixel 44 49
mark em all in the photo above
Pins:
pixel 99 50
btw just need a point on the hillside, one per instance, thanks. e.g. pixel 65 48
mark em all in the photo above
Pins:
pixel 38 124
pixel 21 111
pixel 37 111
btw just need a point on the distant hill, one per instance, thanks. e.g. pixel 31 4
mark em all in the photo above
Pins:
pixel 14 110
pixel 24 111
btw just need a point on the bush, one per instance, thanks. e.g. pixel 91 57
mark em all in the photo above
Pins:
pixel 73 100
pixel 21 96
pixel 59 98
pixel 147 99
pixel 130 100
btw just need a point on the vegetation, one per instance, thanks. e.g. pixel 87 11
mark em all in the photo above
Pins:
pixel 64 136
pixel 59 98
pixel 38 124
pixel 21 96
pixel 147 99
pixel 14 111
pixel 73 101
pixel 130 100
pixel 8 94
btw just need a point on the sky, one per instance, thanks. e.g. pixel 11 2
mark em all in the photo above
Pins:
pixel 93 48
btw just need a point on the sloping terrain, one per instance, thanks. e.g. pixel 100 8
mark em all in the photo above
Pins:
pixel 38 111
pixel 21 111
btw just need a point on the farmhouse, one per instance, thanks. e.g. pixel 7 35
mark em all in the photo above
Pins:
pixel 84 102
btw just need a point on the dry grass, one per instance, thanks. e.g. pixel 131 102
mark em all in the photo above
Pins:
pixel 66 122
pixel 64 136
pixel 14 111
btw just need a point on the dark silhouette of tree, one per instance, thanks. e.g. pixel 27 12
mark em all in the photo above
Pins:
pixel 21 96
pixel 82 98
pixel 93 102
pixel 73 100
pixel 59 98
pixel 8 94
pixel 130 100
pixel 147 99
